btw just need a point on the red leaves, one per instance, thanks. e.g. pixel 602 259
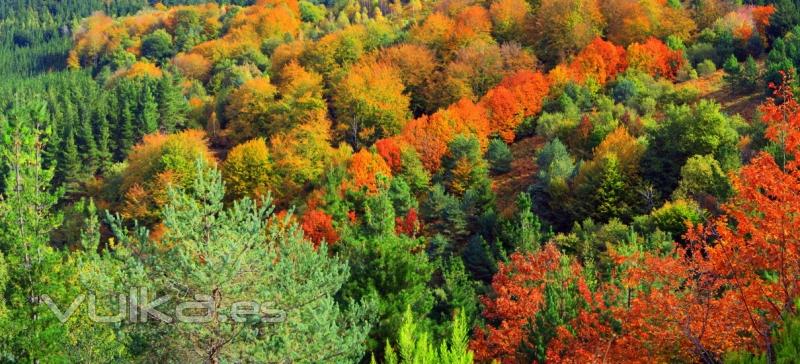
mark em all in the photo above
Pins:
pixel 518 295
pixel 318 227
pixel 409 224
pixel 391 153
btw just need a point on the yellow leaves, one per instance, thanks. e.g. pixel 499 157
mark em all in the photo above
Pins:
pixel 158 162
pixel 249 103
pixel 143 69
pixel 371 96
pixel 436 32
pixel 248 170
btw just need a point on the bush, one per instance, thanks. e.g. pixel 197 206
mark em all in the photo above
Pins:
pixel 499 157
pixel 706 68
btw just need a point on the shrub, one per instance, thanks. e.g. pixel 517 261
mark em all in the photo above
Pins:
pixel 706 68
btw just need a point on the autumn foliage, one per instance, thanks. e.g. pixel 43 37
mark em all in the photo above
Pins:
pixel 318 227
pixel 600 60
pixel 518 96
pixel 655 58
pixel 365 168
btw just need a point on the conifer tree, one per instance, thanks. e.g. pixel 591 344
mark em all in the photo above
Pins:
pixel 224 256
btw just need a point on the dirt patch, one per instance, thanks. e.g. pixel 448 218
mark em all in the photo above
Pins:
pixel 733 101
pixel 522 175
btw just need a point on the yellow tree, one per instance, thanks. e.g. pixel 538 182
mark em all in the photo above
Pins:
pixel 370 103
pixel 247 171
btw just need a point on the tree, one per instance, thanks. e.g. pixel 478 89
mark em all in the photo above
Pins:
pixel 193 66
pixel 172 105
pixel 248 170
pixel 499 156
pixel 702 178
pixel 318 227
pixel 417 346
pixel 600 61
pixel 655 58
pixel 518 96
pixel 509 18
pixel 154 165
pixel 562 27
pixel 157 46
pixel 416 65
pixel 370 103
pixel 687 131
pixel 249 109
pixel 430 135
pixel 533 296
pixel 34 273
pixel 555 168
pixel 364 169
pixel 393 270
pixel 217 255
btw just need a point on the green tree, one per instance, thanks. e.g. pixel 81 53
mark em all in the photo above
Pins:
pixel 698 130
pixel 147 111
pixel 392 270
pixel 218 255
pixel 37 274
pixel 499 156
pixel 172 105
pixel 415 345
pixel 157 46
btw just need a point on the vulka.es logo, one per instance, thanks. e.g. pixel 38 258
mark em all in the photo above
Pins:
pixel 137 307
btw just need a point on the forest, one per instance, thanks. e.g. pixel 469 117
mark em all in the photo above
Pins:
pixel 399 181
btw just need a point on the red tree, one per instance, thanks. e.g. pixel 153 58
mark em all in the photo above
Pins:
pixel 318 227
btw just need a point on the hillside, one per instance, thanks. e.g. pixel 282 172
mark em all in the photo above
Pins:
pixel 423 181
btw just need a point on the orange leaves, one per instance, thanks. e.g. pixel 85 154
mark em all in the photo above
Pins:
pixel 436 32
pixel 429 135
pixel 600 60
pixel 193 66
pixel 415 63
pixel 472 22
pixel 96 36
pixel 365 168
pixel 760 16
pixel 518 96
pixel 318 227
pixel 746 21
pixel 781 113
pixel 655 58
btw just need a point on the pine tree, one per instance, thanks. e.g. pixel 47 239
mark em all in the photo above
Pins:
pixel 219 254
pixel 69 163
pixel 418 346
pixel 124 134
pixel 147 111
pixel 102 134
pixel 172 105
